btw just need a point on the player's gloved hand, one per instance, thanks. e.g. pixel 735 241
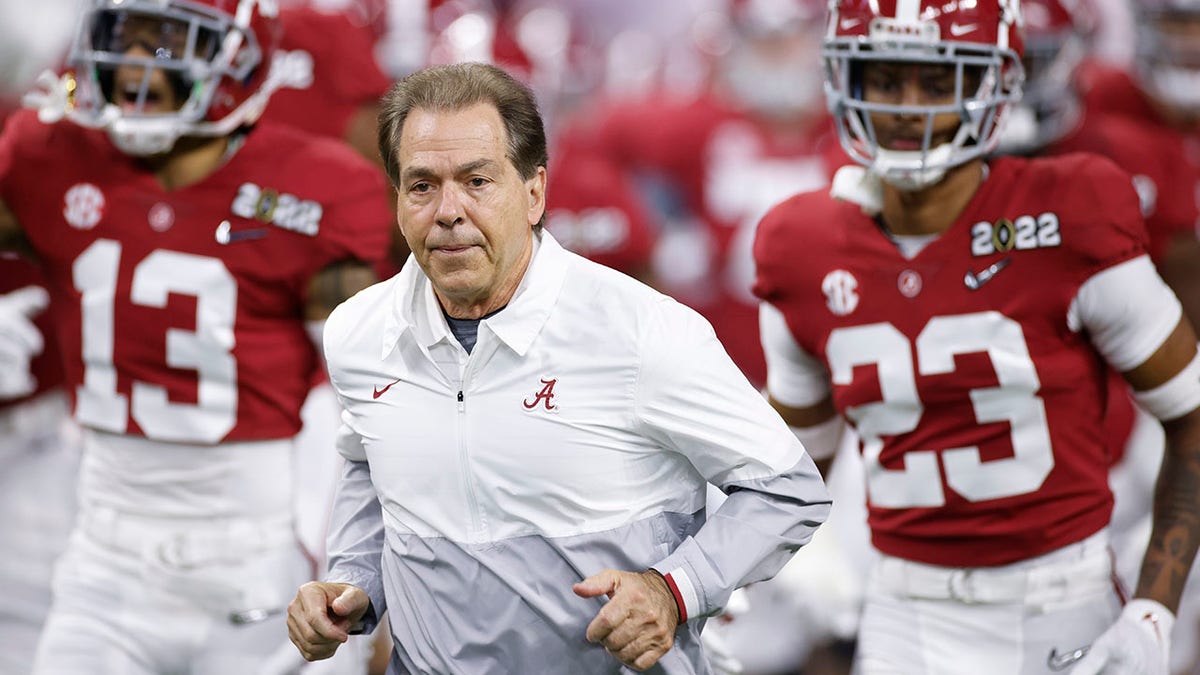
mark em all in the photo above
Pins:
pixel 50 96
pixel 1139 643
pixel 20 340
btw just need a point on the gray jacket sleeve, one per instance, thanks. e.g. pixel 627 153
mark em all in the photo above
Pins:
pixel 693 400
pixel 355 540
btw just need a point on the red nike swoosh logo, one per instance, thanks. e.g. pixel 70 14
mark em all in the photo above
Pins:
pixel 380 392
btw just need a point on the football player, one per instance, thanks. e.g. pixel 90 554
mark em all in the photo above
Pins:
pixel 40 456
pixel 39 453
pixel 341 99
pixel 190 257
pixel 961 313
pixel 1152 130
pixel 709 166
pixel 1056 36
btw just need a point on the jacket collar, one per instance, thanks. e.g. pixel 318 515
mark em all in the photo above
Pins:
pixel 415 308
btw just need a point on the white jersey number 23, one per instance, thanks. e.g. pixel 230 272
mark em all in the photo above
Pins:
pixel 207 350
pixel 1015 400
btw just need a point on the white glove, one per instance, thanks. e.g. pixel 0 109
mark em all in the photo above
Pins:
pixel 20 340
pixel 51 96
pixel 1139 643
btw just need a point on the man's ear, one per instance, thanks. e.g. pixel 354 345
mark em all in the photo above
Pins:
pixel 536 186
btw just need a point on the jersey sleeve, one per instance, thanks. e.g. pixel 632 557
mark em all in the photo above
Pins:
pixel 781 241
pixel 1128 311
pixel 20 131
pixel 767 238
pixel 1103 209
pixel 794 377
pixel 357 221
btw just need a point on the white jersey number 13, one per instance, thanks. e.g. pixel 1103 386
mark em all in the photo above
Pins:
pixel 1015 401
pixel 207 350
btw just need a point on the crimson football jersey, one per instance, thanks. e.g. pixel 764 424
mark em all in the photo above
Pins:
pixel 16 272
pixel 180 314
pixel 708 171
pixel 592 210
pixel 1109 90
pixel 1165 165
pixel 345 74
pixel 978 404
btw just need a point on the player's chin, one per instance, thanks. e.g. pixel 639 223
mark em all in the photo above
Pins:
pixel 461 278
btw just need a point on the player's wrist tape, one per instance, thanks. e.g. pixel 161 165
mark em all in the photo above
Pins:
pixel 1175 397
pixel 1154 614
pixel 821 441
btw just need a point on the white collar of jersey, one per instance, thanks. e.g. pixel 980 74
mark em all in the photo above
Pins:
pixel 856 185
pixel 415 307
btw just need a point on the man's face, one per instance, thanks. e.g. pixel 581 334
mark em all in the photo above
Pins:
pixel 1180 35
pixel 911 84
pixel 150 37
pixel 463 208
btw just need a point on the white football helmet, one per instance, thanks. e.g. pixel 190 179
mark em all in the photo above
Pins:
pixel 151 71
pixel 770 64
pixel 1167 61
pixel 1056 35
pixel 979 35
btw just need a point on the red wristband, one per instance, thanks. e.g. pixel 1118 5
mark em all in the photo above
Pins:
pixel 680 607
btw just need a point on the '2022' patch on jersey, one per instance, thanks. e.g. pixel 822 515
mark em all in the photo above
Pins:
pixel 1023 233
pixel 279 209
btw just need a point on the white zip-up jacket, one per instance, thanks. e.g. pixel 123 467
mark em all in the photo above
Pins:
pixel 578 435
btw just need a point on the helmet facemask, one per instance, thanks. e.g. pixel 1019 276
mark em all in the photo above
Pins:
pixel 1168 53
pixel 1049 107
pixel 986 77
pixel 152 71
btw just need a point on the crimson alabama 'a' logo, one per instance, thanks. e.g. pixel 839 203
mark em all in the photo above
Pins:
pixel 544 396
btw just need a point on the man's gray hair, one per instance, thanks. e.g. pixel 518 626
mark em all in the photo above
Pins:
pixel 456 87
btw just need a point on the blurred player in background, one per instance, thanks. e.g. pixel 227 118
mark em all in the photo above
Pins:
pixel 1147 119
pixel 905 301
pixel 39 452
pixel 1057 37
pixel 709 166
pixel 189 261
